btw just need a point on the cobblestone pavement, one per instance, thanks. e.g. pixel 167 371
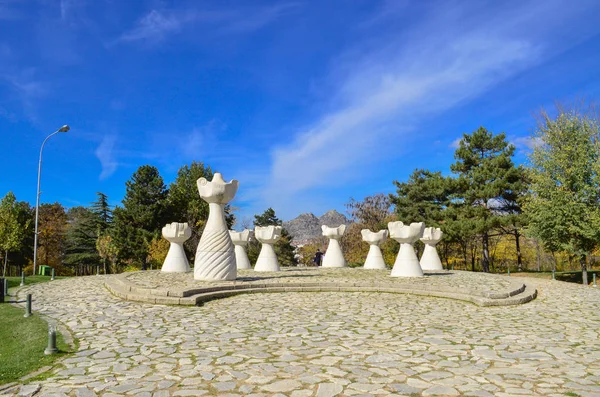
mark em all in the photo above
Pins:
pixel 324 344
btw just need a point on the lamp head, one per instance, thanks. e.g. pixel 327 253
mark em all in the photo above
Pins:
pixel 64 128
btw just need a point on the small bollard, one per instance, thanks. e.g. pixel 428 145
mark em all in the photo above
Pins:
pixel 22 279
pixel 3 282
pixel 52 275
pixel 553 275
pixel 28 306
pixel 594 280
pixel 51 349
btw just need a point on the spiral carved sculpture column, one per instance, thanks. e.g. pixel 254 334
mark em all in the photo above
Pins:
pixel 407 263
pixel 240 240
pixel 374 258
pixel 430 260
pixel 215 256
pixel 334 256
pixel 176 234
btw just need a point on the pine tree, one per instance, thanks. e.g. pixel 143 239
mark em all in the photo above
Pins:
pixel 103 212
pixel 142 216
pixel 81 238
pixel 488 183
pixel 422 198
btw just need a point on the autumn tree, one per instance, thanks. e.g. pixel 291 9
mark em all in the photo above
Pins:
pixel 12 231
pixel 52 228
pixel 564 205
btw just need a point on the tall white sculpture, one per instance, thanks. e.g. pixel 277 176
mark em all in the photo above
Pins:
pixel 430 259
pixel 215 256
pixel 374 258
pixel 267 259
pixel 334 256
pixel 407 263
pixel 240 240
pixel 176 234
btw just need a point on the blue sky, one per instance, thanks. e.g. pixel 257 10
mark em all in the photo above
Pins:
pixel 306 103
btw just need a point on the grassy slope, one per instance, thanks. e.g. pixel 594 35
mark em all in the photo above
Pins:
pixel 23 340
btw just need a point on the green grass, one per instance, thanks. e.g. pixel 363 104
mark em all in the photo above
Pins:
pixel 16 281
pixel 22 344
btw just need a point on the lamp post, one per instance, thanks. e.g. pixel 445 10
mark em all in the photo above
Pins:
pixel 64 128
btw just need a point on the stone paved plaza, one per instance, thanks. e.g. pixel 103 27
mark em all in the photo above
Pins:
pixel 324 344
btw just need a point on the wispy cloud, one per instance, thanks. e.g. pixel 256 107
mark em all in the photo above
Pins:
pixel 526 143
pixel 157 25
pixel 400 82
pixel 106 155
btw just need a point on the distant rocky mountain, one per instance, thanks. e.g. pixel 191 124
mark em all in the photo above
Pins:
pixel 307 226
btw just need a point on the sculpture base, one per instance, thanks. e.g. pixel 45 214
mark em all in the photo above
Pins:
pixel 334 256
pixel 407 263
pixel 430 260
pixel 267 260
pixel 176 261
pixel 375 259
pixel 241 258
pixel 215 257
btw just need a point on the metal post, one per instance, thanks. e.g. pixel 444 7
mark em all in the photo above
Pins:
pixel 64 128
pixel 2 289
pixel 22 279
pixel 5 287
pixel 51 349
pixel 594 282
pixel 28 306
pixel 52 278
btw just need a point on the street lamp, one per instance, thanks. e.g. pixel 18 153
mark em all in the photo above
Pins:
pixel 64 128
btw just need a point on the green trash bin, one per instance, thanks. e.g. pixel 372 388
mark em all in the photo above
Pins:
pixel 45 270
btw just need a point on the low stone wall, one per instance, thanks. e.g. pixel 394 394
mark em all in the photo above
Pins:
pixel 135 287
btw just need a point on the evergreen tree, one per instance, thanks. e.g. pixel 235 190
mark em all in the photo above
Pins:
pixel 81 237
pixel 103 213
pixel 488 183
pixel 283 247
pixel 422 198
pixel 564 205
pixel 142 216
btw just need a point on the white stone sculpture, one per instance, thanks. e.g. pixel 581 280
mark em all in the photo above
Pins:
pixel 374 258
pixel 407 263
pixel 215 256
pixel 176 234
pixel 240 240
pixel 267 259
pixel 430 259
pixel 334 256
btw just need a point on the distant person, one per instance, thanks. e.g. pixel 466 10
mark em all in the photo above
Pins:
pixel 318 259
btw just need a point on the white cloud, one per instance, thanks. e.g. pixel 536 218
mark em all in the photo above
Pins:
pixel 526 143
pixel 456 143
pixel 106 154
pixel 158 25
pixel 448 59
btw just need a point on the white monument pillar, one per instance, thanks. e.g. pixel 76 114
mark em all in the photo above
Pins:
pixel 430 259
pixel 240 240
pixel 407 263
pixel 215 256
pixel 267 259
pixel 334 256
pixel 375 257
pixel 176 234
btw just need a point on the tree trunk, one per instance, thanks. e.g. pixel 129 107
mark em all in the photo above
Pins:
pixel 582 261
pixel 538 255
pixel 104 263
pixel 472 262
pixel 5 263
pixel 518 246
pixel 486 253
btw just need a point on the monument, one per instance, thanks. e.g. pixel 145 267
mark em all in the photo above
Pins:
pixel 267 259
pixel 430 259
pixel 334 256
pixel 407 263
pixel 240 240
pixel 176 234
pixel 375 257
pixel 215 256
